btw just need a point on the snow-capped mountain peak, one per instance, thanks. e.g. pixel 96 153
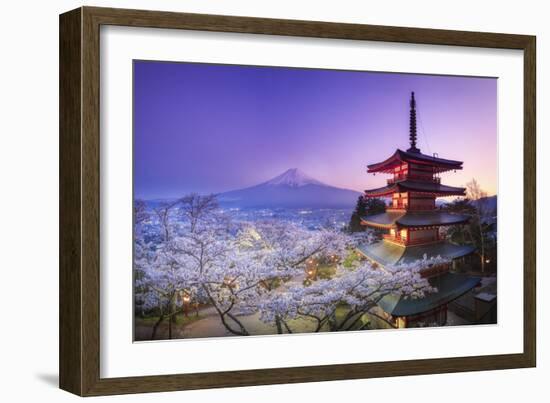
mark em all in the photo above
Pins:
pixel 291 189
pixel 294 178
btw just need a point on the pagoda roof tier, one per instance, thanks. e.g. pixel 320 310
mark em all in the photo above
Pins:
pixel 450 286
pixel 389 253
pixel 417 187
pixel 400 156
pixel 405 218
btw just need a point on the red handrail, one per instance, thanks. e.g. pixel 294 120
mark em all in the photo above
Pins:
pixel 402 177
pixel 410 242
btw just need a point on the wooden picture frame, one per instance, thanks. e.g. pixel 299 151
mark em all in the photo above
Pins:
pixel 79 346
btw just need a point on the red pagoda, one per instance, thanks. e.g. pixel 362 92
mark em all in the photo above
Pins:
pixel 414 231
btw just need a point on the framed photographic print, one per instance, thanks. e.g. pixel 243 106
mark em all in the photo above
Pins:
pixel 250 201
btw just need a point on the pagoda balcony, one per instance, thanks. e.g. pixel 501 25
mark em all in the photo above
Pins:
pixel 392 238
pixel 404 177
pixel 410 242
pixel 435 270
pixel 402 207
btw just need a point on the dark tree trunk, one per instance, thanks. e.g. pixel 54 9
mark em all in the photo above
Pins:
pixel 155 326
pixel 278 324
pixel 173 309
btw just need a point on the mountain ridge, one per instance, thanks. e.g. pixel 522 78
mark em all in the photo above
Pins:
pixel 291 189
pixel 295 178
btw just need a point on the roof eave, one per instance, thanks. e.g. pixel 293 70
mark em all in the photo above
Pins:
pixel 379 166
pixel 376 225
pixel 387 190
pixel 403 156
pixel 432 224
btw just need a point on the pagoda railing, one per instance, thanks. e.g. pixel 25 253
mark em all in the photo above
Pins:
pixel 409 208
pixel 410 242
pixel 402 177
pixel 393 238
pixel 435 270
pixel 421 241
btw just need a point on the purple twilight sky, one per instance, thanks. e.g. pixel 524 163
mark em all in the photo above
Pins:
pixel 211 128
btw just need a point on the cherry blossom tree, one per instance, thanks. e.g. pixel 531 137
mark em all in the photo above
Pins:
pixel 156 276
pixel 358 289
pixel 247 268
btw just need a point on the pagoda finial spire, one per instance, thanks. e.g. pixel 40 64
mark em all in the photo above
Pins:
pixel 412 126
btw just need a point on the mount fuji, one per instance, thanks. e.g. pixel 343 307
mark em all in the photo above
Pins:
pixel 291 189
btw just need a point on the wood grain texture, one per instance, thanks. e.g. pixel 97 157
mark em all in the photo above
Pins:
pixel 530 202
pixel 90 202
pixel 70 275
pixel 80 200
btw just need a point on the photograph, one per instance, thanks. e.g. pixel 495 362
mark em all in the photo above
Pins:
pixel 273 200
pixel 264 201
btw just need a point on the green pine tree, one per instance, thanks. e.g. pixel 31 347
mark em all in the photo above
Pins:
pixel 364 207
